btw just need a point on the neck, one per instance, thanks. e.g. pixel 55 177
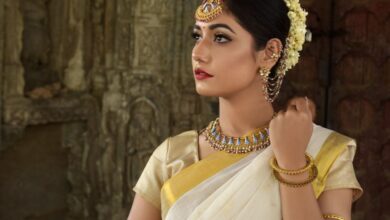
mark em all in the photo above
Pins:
pixel 244 112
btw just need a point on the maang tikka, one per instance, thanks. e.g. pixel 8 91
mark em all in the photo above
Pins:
pixel 209 10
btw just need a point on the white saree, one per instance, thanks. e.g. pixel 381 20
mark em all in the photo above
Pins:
pixel 226 186
pixel 246 189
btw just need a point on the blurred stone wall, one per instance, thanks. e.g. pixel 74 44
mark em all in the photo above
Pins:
pixel 114 75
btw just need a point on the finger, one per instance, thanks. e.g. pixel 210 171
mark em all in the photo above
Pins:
pixel 308 108
pixel 297 104
pixel 291 107
pixel 312 107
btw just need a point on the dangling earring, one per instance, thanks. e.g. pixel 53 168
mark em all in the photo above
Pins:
pixel 271 84
pixel 264 74
pixel 275 56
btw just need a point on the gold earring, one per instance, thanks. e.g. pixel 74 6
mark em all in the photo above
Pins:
pixel 270 89
pixel 275 56
pixel 264 73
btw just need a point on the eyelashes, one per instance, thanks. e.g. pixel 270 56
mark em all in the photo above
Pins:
pixel 195 36
pixel 218 37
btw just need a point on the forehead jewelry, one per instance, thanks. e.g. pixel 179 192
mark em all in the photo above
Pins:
pixel 209 10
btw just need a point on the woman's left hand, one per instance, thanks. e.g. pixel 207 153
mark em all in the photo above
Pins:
pixel 290 133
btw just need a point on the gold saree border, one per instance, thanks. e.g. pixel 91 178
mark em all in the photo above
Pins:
pixel 196 173
pixel 334 145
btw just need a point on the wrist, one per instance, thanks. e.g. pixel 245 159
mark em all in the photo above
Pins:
pixel 292 163
pixel 295 178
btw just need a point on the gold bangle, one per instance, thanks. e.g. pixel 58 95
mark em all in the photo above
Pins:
pixel 331 216
pixel 309 165
pixel 313 175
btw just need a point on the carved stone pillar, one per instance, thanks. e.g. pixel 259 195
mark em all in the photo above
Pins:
pixel 13 69
pixel 2 34
pixel 75 74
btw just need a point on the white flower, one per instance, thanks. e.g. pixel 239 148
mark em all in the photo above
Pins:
pixel 296 36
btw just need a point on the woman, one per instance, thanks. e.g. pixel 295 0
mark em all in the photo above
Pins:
pixel 250 163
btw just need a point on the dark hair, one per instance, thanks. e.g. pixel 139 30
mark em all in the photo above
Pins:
pixel 263 19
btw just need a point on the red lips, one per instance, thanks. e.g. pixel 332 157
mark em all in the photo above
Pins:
pixel 201 74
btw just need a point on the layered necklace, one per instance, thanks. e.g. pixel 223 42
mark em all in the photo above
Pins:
pixel 255 140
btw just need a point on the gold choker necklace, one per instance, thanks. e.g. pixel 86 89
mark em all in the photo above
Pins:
pixel 255 140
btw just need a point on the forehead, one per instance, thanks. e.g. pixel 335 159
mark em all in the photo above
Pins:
pixel 224 18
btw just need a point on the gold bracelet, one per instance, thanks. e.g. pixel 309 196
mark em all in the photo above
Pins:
pixel 312 176
pixel 331 216
pixel 309 165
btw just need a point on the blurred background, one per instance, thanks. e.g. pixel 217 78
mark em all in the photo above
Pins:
pixel 89 88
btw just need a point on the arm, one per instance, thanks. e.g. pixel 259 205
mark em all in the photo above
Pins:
pixel 300 203
pixel 143 210
pixel 290 133
pixel 146 204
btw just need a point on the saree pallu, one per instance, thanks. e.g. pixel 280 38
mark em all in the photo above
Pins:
pixel 224 186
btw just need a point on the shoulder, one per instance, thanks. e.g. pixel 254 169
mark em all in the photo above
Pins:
pixel 177 146
pixel 332 135
pixel 325 140
pixel 184 137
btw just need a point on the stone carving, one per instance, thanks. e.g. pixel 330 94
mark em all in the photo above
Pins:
pixel 98 33
pixel 143 139
pixel 45 92
pixel 37 45
pixel 115 117
pixel 110 163
pixel 156 6
pixel 74 77
pixel 13 84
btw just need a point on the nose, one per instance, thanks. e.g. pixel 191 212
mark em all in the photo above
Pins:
pixel 201 51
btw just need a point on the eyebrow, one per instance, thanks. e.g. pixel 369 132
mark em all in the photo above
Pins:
pixel 215 26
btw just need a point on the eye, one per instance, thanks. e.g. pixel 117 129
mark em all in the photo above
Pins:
pixel 221 38
pixel 195 36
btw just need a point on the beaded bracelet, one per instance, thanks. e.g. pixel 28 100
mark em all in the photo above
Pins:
pixel 331 216
pixel 312 176
pixel 309 165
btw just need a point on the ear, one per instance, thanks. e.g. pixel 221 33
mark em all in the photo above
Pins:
pixel 269 56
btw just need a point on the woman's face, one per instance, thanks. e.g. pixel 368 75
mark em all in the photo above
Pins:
pixel 225 51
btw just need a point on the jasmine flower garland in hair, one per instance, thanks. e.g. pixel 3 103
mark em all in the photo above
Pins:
pixel 296 36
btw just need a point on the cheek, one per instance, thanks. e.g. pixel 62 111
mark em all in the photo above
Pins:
pixel 234 69
pixel 237 69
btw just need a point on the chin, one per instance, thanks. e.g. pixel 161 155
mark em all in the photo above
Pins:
pixel 203 92
pixel 211 92
pixel 207 92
